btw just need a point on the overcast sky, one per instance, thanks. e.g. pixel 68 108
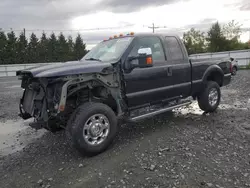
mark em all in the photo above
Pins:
pixel 120 15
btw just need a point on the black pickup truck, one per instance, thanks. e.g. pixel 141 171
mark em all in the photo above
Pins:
pixel 122 79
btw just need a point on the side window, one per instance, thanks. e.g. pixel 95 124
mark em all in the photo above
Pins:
pixel 174 48
pixel 150 42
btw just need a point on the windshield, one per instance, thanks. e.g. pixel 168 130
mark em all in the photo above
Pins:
pixel 108 50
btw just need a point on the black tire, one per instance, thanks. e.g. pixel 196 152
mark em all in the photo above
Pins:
pixel 75 128
pixel 203 98
pixel 234 70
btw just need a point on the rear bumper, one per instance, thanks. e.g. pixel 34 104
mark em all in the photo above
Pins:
pixel 227 79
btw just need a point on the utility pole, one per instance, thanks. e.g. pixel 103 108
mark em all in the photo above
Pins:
pixel 249 38
pixel 248 30
pixel 153 27
pixel 249 34
pixel 24 32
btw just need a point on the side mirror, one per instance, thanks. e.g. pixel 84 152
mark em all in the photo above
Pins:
pixel 144 59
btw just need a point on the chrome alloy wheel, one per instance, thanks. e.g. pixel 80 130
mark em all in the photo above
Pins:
pixel 213 96
pixel 96 129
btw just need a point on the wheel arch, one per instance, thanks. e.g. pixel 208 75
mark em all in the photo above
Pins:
pixel 95 93
pixel 90 83
pixel 213 73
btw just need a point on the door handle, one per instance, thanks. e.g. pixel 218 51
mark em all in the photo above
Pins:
pixel 169 71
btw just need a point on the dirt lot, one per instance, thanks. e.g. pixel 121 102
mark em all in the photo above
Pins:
pixel 185 148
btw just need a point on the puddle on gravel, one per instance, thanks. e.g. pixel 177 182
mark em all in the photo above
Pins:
pixel 193 108
pixel 236 105
pixel 15 135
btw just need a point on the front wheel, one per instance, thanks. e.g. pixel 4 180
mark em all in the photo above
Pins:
pixel 209 99
pixel 92 128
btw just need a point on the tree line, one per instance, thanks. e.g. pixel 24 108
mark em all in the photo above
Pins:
pixel 218 38
pixel 18 49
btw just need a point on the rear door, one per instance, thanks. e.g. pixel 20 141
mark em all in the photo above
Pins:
pixel 178 64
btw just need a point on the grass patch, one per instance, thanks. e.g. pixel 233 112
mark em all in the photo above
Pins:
pixel 245 67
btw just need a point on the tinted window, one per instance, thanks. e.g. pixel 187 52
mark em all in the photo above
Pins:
pixel 150 42
pixel 174 48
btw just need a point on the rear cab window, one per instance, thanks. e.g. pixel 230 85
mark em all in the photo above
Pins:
pixel 173 48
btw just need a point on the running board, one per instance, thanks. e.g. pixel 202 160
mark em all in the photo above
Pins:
pixel 162 110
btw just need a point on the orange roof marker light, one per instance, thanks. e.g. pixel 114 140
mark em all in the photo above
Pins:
pixel 131 33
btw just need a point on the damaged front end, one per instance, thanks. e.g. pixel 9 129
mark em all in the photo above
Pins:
pixel 45 98
pixel 38 99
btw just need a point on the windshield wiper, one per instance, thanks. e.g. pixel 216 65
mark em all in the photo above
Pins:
pixel 93 59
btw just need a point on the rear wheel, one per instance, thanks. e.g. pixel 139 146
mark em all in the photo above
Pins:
pixel 209 99
pixel 92 128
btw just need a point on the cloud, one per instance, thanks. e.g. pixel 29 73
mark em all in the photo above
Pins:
pixel 208 20
pixel 245 5
pixel 177 15
pixel 57 14
pixel 134 5
pixel 44 14
pixel 203 25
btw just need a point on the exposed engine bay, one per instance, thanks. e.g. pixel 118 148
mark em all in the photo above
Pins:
pixel 51 100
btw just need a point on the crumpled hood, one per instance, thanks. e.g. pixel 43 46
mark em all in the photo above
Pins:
pixel 67 68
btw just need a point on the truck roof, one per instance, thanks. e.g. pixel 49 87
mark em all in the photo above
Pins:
pixel 155 34
pixel 145 35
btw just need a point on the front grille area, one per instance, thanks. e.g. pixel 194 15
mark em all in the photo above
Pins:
pixel 33 103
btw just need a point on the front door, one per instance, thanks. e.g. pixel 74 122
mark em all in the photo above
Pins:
pixel 149 85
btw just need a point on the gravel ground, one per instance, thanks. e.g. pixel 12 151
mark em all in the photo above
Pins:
pixel 185 149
